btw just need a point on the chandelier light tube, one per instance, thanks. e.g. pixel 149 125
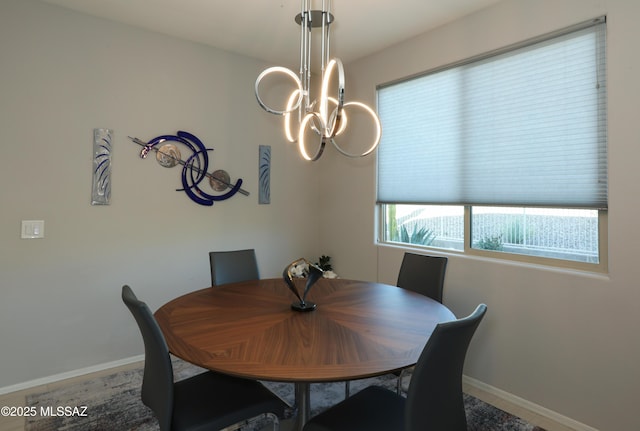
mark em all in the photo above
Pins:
pixel 330 119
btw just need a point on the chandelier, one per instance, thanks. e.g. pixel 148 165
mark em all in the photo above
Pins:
pixel 325 118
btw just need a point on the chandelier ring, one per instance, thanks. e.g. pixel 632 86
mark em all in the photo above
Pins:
pixel 333 123
pixel 301 143
pixel 377 125
pixel 279 69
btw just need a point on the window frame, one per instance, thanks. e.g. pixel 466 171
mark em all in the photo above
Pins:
pixel 601 267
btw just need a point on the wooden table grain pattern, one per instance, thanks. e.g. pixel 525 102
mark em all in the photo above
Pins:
pixel 248 329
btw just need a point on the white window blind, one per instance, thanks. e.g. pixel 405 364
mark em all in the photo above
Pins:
pixel 523 127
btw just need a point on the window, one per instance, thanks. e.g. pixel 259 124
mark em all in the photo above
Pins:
pixel 505 154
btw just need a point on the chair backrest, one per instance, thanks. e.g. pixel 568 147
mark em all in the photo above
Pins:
pixel 157 382
pixel 233 266
pixel 434 399
pixel 423 274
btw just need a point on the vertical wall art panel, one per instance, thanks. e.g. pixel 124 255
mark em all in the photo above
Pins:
pixel 101 189
pixel 264 175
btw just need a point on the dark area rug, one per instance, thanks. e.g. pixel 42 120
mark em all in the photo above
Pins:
pixel 113 404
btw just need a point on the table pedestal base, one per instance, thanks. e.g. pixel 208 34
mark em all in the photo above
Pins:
pixel 303 394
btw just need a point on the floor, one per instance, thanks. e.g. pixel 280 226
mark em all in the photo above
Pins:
pixel 17 399
pixel 528 415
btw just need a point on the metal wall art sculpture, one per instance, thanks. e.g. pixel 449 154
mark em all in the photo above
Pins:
pixel 101 187
pixel 194 168
pixel 264 171
pixel 313 273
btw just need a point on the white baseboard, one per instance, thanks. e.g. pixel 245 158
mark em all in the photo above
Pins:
pixel 69 374
pixel 528 405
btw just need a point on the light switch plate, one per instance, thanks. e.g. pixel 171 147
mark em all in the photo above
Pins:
pixel 32 229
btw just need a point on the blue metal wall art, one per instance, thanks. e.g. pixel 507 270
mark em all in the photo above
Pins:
pixel 194 168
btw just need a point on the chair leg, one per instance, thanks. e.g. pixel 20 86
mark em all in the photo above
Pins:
pixel 269 416
pixel 400 379
pixel 347 389
pixel 276 421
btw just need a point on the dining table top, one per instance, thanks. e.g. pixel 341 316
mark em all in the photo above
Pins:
pixel 359 329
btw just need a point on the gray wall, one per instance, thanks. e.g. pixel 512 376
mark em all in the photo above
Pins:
pixel 564 340
pixel 62 74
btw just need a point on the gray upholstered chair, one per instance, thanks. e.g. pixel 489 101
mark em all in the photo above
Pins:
pixel 423 274
pixel 233 266
pixel 207 401
pixel 434 400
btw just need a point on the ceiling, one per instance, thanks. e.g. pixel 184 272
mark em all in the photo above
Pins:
pixel 265 29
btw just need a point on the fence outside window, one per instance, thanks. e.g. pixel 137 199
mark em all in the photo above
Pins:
pixel 566 234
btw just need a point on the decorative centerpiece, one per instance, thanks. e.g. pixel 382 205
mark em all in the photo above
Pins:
pixel 297 269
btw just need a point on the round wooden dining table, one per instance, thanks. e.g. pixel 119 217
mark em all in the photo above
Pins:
pixel 359 329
